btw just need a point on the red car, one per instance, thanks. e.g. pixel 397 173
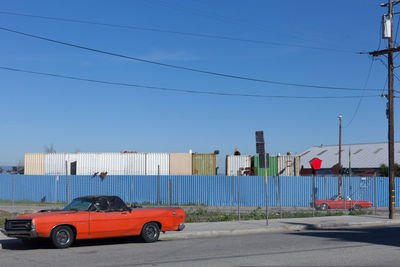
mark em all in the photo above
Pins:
pixel 338 202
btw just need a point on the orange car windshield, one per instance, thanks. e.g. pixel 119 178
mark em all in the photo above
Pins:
pixel 79 204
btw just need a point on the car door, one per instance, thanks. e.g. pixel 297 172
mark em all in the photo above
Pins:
pixel 340 203
pixel 106 221
pixel 336 204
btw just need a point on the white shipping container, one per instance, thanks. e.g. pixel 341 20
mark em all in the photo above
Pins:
pixel 112 163
pixel 234 163
pixel 55 163
pixel 153 160
pixel 86 163
pixel 90 163
pixel 135 163
pixel 34 164
pixel 289 165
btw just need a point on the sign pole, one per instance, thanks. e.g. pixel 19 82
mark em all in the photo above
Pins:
pixel 315 164
pixel 238 194
pixel 66 180
pixel 266 192
pixel 313 193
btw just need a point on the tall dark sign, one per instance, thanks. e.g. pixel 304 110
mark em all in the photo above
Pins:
pixel 260 150
pixel 264 163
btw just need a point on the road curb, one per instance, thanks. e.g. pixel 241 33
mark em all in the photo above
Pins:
pixel 266 229
pixel 212 233
pixel 326 226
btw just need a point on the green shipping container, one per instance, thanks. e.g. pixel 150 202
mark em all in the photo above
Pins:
pixel 204 164
pixel 271 171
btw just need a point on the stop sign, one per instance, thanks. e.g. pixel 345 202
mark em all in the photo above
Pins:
pixel 315 163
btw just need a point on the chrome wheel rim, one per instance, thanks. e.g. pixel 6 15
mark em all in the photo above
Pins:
pixel 63 237
pixel 151 231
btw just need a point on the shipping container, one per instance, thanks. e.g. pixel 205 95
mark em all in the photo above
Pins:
pixel 91 163
pixel 180 164
pixel 272 170
pixel 135 163
pixel 153 160
pixel 289 165
pixel 55 163
pixel 204 164
pixel 235 163
pixel 34 163
pixel 112 163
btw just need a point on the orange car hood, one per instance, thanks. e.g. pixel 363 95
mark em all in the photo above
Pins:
pixel 42 214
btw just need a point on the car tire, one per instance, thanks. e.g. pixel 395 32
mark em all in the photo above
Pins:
pixel 150 232
pixel 62 237
pixel 324 207
pixel 357 207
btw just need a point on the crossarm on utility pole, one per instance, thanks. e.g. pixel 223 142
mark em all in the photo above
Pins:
pixel 384 51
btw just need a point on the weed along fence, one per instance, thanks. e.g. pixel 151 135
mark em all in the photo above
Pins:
pixel 287 191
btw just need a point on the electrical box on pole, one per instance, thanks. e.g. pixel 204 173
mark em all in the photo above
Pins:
pixel 386 27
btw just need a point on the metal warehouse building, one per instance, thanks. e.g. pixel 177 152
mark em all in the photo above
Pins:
pixel 364 159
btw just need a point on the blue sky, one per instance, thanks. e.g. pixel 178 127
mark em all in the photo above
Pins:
pixel 39 111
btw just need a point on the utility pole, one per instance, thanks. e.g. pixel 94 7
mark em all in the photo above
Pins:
pixel 390 96
pixel 340 156
pixel 390 117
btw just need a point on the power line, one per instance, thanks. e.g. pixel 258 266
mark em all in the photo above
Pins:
pixel 384 86
pixel 210 15
pixel 201 35
pixel 173 89
pixel 397 30
pixel 186 68
pixel 394 74
pixel 361 98
pixel 367 80
pixel 219 17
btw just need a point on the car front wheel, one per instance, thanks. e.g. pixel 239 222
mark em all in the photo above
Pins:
pixel 324 206
pixel 62 237
pixel 150 232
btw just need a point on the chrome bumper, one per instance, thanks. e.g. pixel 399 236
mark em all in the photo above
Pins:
pixel 20 234
pixel 181 227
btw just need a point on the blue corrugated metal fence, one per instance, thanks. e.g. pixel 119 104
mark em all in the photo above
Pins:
pixel 206 190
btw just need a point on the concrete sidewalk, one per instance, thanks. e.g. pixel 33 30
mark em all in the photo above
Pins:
pixel 195 230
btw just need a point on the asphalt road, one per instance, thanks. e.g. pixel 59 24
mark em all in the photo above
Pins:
pixel 377 246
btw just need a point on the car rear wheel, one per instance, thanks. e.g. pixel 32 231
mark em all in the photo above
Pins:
pixel 324 206
pixel 150 232
pixel 62 237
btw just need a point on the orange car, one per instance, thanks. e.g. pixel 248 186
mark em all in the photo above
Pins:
pixel 95 217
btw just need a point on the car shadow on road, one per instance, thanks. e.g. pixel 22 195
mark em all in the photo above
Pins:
pixel 16 244
pixel 382 235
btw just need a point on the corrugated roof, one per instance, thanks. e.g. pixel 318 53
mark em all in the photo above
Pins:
pixel 367 155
